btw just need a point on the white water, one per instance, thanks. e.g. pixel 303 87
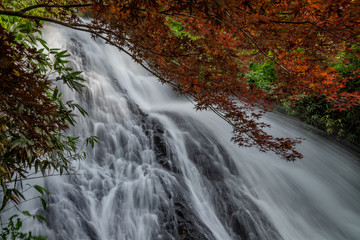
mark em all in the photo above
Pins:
pixel 164 171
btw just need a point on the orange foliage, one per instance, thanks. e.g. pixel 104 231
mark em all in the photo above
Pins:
pixel 221 37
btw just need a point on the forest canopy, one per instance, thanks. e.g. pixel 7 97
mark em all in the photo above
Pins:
pixel 204 50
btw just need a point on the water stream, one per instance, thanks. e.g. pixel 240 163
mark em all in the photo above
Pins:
pixel 165 171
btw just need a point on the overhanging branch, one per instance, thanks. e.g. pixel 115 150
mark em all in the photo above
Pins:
pixel 106 35
pixel 54 6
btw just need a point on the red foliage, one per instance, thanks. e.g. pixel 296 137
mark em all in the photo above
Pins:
pixel 221 37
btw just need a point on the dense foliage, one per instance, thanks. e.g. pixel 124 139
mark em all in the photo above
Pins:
pixel 315 110
pixel 32 117
pixel 209 57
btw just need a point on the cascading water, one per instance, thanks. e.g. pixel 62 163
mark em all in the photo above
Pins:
pixel 164 171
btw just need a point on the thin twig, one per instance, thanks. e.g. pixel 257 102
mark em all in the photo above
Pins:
pixel 262 51
pixel 27 200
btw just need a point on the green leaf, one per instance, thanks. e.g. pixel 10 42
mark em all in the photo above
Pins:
pixel 62 54
pixel 81 110
pixel 41 218
pixel 41 190
pixel 55 50
pixel 43 43
pixel 27 213
pixel 92 140
pixel 17 142
pixel 18 224
pixel 76 73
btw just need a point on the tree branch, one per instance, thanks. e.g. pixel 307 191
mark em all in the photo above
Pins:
pixel 287 22
pixel 262 51
pixel 302 22
pixel 315 25
pixel 256 44
pixel 69 25
pixel 54 6
pixel 80 27
pixel 107 38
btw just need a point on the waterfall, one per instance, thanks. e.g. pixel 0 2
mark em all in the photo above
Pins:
pixel 165 171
